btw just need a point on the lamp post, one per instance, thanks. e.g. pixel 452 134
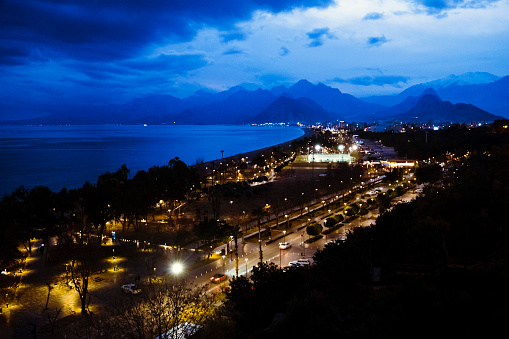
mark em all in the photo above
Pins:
pixel 224 265
pixel 246 267
pixel 279 256
pixel 222 152
pixel 231 252
pixel 284 236
pixel 176 269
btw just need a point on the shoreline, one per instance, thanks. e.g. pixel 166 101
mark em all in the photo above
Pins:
pixel 252 154
pixel 81 166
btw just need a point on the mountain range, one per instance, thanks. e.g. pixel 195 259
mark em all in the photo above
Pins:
pixel 469 97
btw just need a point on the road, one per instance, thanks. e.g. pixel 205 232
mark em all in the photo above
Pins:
pixel 249 251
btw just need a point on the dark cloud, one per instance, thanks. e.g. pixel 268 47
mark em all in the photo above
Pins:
pixel 377 40
pixel 392 80
pixel 318 35
pixel 373 16
pixel 117 29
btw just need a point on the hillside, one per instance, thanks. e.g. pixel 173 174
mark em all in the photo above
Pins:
pixel 429 107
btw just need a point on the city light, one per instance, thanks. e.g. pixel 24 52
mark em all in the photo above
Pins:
pixel 177 268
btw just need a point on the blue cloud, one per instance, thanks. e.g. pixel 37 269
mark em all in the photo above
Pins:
pixel 175 64
pixel 318 35
pixel 227 37
pixel 232 51
pixel 382 80
pixel 437 7
pixel 377 40
pixel 118 29
pixel 283 51
pixel 373 16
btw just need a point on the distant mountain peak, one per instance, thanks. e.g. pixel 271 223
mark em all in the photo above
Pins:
pixel 201 92
pixel 237 88
pixel 302 85
pixel 287 109
pixel 325 87
pixel 469 78
pixel 430 91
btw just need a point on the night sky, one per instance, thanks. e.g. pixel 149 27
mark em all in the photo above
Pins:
pixel 55 54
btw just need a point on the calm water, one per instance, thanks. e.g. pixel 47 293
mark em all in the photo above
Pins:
pixel 67 156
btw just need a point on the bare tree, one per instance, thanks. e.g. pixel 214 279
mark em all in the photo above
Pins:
pixel 166 310
pixel 84 258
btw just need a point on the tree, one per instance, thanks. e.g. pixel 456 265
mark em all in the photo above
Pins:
pixel 167 309
pixel 351 210
pixel 84 257
pixel 394 174
pixel 9 234
pixel 15 223
pixel 330 222
pixel 314 229
pixel 41 210
pixel 339 217
pixel 428 173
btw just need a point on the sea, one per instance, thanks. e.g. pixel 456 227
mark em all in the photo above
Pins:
pixel 68 156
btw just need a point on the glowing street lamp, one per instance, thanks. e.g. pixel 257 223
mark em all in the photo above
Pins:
pixel 177 268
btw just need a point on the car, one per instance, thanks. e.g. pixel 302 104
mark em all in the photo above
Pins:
pixel 131 289
pixel 182 330
pixel 284 245
pixel 218 277
pixel 294 264
pixel 300 263
pixel 304 261
pixel 341 239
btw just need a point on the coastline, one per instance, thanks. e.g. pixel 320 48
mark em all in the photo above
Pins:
pixel 68 156
pixel 252 154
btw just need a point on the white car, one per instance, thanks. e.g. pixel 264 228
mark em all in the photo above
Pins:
pixel 300 262
pixel 131 289
pixel 304 261
pixel 284 245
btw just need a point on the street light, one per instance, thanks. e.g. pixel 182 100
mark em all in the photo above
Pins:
pixel 224 265
pixel 284 236
pixel 177 268
pixel 246 267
